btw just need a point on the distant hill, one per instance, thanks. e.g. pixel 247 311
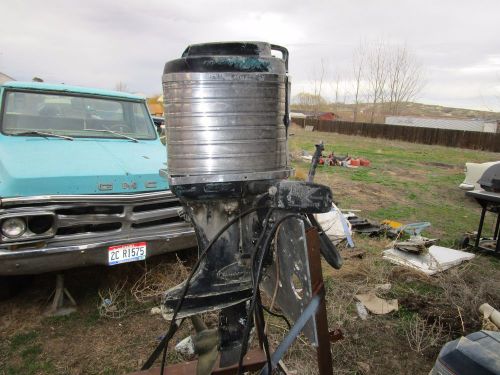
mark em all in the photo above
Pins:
pixel 345 111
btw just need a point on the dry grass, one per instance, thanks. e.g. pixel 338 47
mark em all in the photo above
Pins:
pixel 422 335
pixel 157 279
pixel 358 350
pixel 465 288
pixel 384 344
pixel 113 301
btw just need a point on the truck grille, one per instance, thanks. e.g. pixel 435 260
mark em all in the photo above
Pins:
pixel 96 216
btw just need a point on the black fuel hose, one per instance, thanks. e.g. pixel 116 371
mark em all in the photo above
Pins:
pixel 173 325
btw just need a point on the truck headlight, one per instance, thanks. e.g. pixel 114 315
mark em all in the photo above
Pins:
pixel 13 227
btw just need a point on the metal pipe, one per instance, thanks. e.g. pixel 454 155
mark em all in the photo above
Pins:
pixel 480 229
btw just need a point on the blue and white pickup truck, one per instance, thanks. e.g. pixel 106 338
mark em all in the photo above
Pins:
pixel 80 182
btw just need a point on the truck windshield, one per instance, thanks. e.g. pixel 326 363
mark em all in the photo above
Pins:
pixel 75 116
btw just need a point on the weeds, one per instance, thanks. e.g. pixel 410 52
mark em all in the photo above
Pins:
pixel 465 288
pixel 422 335
pixel 113 302
pixel 155 281
pixel 23 339
pixel 24 354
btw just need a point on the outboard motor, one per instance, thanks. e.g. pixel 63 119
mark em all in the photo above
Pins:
pixel 227 117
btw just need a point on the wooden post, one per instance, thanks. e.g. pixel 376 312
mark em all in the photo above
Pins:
pixel 323 352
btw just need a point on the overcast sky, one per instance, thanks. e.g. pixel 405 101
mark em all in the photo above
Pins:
pixel 99 43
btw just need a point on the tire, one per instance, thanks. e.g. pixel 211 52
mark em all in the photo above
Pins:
pixel 463 243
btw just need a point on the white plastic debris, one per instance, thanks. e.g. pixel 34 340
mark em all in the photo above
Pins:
pixel 155 311
pixel 361 310
pixel 335 225
pixel 491 314
pixel 185 346
pixel 437 259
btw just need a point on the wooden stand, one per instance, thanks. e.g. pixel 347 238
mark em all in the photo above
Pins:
pixel 255 359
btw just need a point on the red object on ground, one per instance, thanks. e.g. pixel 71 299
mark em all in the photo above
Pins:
pixel 321 161
pixel 354 162
pixel 364 162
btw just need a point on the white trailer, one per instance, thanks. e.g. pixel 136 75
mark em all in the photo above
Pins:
pixel 472 125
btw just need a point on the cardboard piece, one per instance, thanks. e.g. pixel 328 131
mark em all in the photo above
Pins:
pixel 377 305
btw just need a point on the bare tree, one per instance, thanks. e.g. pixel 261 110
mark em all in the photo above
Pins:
pixel 308 100
pixel 337 82
pixel 392 73
pixel 384 75
pixel 121 86
pixel 358 69
pixel 377 75
pixel 404 78
pixel 339 90
pixel 318 86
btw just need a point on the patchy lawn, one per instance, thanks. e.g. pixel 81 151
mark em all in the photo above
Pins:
pixel 405 182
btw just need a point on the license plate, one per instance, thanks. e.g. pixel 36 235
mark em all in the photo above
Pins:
pixel 126 253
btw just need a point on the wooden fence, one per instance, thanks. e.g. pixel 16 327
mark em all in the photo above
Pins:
pixel 428 136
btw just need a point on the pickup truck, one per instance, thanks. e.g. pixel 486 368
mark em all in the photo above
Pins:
pixel 80 182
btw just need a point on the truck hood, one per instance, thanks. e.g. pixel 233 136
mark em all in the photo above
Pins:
pixel 32 166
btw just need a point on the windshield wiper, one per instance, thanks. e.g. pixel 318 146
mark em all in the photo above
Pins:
pixel 43 134
pixel 112 132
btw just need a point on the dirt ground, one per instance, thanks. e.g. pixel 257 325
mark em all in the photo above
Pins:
pixel 89 341
pixel 405 182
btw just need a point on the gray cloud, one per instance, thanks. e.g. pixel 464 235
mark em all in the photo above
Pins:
pixel 98 43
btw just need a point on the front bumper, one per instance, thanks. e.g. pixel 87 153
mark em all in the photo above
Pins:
pixel 57 258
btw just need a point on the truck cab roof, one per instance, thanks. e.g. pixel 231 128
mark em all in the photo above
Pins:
pixel 42 86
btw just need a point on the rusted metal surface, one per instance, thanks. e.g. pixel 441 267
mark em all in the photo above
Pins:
pixel 253 361
pixel 323 351
pixel 336 335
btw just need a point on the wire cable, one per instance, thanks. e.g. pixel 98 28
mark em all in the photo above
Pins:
pixel 252 262
pixel 195 267
pixel 261 238
pixel 250 315
pixel 173 325
pixel 270 312
pixel 259 315
pixel 256 278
